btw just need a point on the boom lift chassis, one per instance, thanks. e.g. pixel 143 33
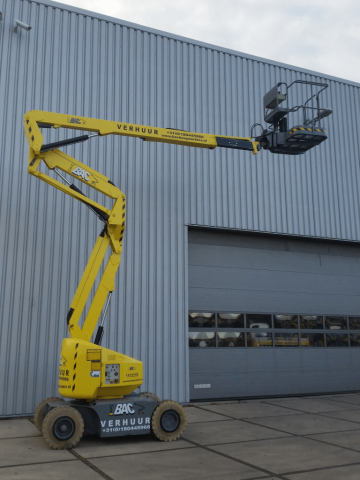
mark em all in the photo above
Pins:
pixel 99 382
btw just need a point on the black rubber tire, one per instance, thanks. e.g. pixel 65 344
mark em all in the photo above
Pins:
pixel 63 427
pixel 168 421
pixel 150 395
pixel 39 414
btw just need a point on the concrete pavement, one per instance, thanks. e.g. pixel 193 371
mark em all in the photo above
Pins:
pixel 299 438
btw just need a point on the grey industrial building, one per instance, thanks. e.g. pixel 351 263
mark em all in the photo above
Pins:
pixel 224 251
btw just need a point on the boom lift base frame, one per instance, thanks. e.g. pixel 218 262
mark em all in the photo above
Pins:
pixel 130 415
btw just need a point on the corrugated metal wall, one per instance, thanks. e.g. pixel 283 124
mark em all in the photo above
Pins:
pixel 87 64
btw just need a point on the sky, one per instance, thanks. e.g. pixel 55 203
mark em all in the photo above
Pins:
pixel 320 35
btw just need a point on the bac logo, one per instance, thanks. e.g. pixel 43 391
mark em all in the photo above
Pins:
pixel 77 121
pixel 81 173
pixel 122 408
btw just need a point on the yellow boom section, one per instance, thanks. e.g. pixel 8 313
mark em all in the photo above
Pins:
pixel 148 134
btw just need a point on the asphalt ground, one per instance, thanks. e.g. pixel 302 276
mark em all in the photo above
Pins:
pixel 298 438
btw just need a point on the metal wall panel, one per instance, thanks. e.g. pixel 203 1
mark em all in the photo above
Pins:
pixel 78 62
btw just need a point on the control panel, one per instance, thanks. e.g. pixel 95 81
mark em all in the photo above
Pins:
pixel 112 373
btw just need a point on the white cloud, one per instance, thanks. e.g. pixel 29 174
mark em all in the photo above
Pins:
pixel 316 34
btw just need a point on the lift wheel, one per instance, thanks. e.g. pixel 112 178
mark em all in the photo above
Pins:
pixel 168 421
pixel 39 414
pixel 63 427
pixel 150 395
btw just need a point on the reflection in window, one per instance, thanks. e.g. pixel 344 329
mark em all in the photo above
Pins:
pixel 259 339
pixel 230 320
pixel 311 321
pixel 336 340
pixel 202 320
pixel 231 339
pixel 286 339
pixel 335 323
pixel 285 321
pixel 259 320
pixel 354 323
pixel 202 339
pixel 312 340
pixel 272 330
pixel 355 340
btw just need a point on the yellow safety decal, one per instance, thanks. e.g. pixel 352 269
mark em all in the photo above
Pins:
pixel 95 365
pixel 93 355
pixel 309 129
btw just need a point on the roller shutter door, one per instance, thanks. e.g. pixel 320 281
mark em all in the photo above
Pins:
pixel 271 315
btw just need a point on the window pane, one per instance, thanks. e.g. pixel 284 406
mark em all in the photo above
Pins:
pixel 333 340
pixel 312 340
pixel 231 320
pixel 258 321
pixel 311 321
pixel 231 339
pixel 355 340
pixel 286 339
pixel 285 321
pixel 202 339
pixel 202 320
pixel 354 323
pixel 335 323
pixel 259 339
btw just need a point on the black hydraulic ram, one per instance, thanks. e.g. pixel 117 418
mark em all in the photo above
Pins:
pixel 63 143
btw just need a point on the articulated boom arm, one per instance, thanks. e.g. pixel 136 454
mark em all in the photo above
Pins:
pixel 112 234
pixel 35 119
pixel 114 219
pixel 277 139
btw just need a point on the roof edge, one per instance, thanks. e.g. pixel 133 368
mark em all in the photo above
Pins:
pixel 125 23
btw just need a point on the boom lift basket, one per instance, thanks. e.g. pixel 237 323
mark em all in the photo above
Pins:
pixel 305 134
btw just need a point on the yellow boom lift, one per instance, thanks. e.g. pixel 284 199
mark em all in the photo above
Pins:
pixel 101 382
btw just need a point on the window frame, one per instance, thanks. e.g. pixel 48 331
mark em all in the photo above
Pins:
pixel 272 330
